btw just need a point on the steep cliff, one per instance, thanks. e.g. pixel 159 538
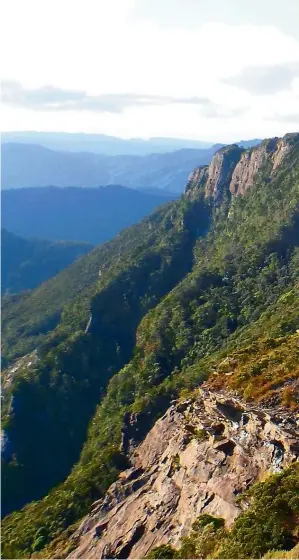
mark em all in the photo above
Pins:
pixel 237 168
pixel 220 171
pixel 216 177
pixel 197 459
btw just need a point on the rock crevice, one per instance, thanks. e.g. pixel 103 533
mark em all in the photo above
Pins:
pixel 234 170
pixel 198 458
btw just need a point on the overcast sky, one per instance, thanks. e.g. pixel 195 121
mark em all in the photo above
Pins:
pixel 215 70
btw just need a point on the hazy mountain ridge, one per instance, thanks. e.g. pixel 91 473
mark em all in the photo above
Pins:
pixel 77 214
pixel 26 165
pixel 27 263
pixel 234 300
pixel 101 143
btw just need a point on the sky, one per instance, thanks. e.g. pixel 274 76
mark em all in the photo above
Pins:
pixel 212 70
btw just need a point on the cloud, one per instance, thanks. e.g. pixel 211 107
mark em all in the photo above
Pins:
pixel 216 111
pixel 170 50
pixel 265 80
pixel 287 118
pixel 49 98
pixel 192 14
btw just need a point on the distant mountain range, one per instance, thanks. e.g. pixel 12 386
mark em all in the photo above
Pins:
pixel 101 143
pixel 77 214
pixel 26 263
pixel 28 165
pixel 35 166
pixel 109 145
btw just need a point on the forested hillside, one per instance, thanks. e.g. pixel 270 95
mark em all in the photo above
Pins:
pixel 118 282
pixel 77 214
pixel 208 280
pixel 26 263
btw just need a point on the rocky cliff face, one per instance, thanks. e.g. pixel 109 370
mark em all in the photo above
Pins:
pixel 235 169
pixel 215 177
pixel 220 171
pixel 251 161
pixel 197 179
pixel 196 459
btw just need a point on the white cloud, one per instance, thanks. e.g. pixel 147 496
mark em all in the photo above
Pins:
pixel 265 79
pixel 191 14
pixel 49 98
pixel 98 48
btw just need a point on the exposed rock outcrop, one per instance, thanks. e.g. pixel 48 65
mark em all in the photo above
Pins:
pixel 197 179
pixel 196 459
pixel 236 169
pixel 29 361
pixel 248 166
pixel 282 148
pixel 220 171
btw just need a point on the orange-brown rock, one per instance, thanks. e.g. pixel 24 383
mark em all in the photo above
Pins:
pixel 235 169
pixel 196 179
pixel 250 163
pixel 196 459
pixel 220 171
